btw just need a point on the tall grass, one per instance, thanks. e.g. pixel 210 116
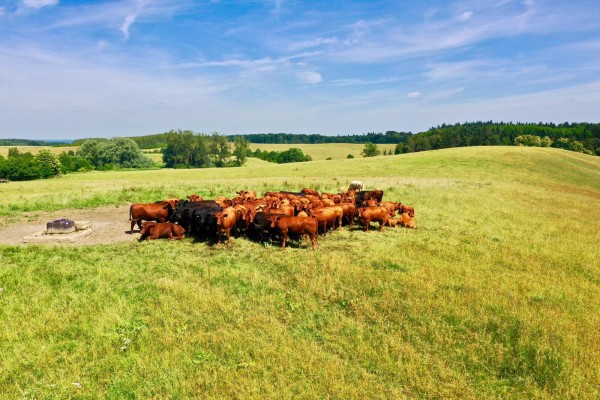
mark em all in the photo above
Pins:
pixel 494 296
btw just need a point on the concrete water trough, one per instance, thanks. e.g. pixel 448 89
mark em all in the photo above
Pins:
pixel 61 231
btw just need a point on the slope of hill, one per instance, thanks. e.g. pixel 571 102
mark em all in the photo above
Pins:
pixel 495 295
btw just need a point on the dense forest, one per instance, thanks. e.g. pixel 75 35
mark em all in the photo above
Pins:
pixel 584 137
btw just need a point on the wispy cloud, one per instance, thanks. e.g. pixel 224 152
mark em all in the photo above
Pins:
pixel 37 4
pixel 311 77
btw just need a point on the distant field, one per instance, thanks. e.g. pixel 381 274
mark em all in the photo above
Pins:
pixel 323 151
pixel 495 295
pixel 35 149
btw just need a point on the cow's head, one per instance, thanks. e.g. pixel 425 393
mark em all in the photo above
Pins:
pixel 274 221
pixel 147 228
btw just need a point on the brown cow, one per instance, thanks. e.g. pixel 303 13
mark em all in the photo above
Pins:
pixel 349 210
pixel 158 212
pixel 302 226
pixel 392 206
pixel 391 222
pixel 247 194
pixel 327 216
pixel 365 195
pixel 369 203
pixel 155 230
pixel 195 197
pixel 226 219
pixel 310 191
pixel 375 214
pixel 407 209
pixel 406 221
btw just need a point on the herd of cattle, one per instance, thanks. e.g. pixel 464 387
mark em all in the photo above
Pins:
pixel 306 213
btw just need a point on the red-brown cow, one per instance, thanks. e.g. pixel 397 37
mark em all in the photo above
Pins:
pixel 373 214
pixel 226 219
pixel 392 206
pixel 349 211
pixel 365 195
pixel 195 197
pixel 155 230
pixel 310 191
pixel 407 209
pixel 139 212
pixel 406 221
pixel 302 226
pixel 326 216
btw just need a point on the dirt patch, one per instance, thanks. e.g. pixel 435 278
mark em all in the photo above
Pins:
pixel 109 225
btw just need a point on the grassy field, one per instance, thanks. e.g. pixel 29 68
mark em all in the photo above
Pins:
pixel 323 151
pixel 35 149
pixel 496 295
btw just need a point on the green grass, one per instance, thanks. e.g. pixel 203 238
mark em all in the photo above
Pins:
pixel 496 295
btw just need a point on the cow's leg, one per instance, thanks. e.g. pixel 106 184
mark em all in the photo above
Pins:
pixel 313 239
pixel 284 238
pixel 381 224
pixel 133 221
pixel 228 236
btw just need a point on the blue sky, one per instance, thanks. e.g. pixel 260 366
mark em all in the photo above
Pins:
pixel 71 69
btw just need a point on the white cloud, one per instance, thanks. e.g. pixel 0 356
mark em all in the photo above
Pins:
pixel 414 95
pixel 311 77
pixel 465 16
pixel 311 43
pixel 130 19
pixel 37 4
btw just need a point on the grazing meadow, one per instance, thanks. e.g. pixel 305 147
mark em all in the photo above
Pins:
pixel 495 295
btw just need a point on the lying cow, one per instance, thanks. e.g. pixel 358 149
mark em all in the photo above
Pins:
pixel 302 226
pixel 406 221
pixel 155 230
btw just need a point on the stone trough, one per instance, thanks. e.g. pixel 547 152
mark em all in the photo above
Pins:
pixel 61 231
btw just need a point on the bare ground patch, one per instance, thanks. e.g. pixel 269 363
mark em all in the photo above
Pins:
pixel 109 225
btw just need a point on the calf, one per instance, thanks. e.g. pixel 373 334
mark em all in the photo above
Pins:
pixel 374 214
pixel 302 226
pixel 154 230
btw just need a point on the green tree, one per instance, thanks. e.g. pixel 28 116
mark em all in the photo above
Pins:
pixel 528 140
pixel 123 152
pixel 89 150
pixel 48 164
pixel 370 150
pixel 69 162
pixel 240 150
pixel 219 149
pixel 546 141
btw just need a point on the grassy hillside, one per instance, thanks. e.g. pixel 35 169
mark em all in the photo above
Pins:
pixel 496 295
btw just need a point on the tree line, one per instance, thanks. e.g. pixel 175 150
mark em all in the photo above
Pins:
pixel 93 154
pixel 584 137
